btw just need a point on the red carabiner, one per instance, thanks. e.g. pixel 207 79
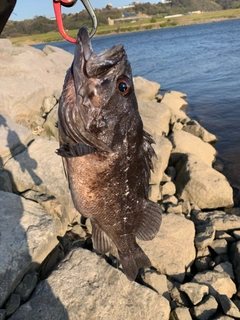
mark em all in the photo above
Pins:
pixel 69 3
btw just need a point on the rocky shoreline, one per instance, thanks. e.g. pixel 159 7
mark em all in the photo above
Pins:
pixel 48 269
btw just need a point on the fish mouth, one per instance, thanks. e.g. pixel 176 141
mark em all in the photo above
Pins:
pixel 92 64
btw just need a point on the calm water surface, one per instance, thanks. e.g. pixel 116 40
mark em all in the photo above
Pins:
pixel 200 60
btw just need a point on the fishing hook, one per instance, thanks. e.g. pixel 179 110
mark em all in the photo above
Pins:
pixel 69 3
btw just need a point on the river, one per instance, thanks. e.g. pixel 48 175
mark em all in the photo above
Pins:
pixel 200 60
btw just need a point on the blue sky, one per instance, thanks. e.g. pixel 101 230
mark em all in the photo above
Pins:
pixel 28 9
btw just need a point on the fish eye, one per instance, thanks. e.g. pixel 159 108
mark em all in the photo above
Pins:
pixel 123 86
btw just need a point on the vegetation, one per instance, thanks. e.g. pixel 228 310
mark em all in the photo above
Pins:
pixel 40 29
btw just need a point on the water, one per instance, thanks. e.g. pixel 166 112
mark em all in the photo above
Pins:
pixel 200 60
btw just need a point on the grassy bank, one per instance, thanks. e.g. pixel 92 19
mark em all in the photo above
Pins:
pixel 144 24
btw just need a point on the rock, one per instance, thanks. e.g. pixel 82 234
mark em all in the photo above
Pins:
pixel 197 130
pixel 84 286
pixel 176 105
pixel 167 254
pixel 171 172
pixel 47 105
pixel 186 207
pixel 185 143
pixel 198 183
pixel 229 308
pixel 157 282
pixel 170 200
pixel 225 267
pixel 218 283
pixel 180 313
pixel 155 117
pixel 220 246
pixel 195 291
pixel 179 297
pixel 162 149
pixel 205 236
pixel 235 259
pixel 219 219
pixel 40 169
pixel 5 181
pixel 224 235
pixel 168 189
pixel 28 235
pixel 206 309
pixel 203 263
pixel 5 48
pixel 14 138
pixel 27 77
pixel 2 314
pixel 174 209
pixel 145 89
pixel 12 304
pixel 26 286
pixel 222 317
pixel 178 94
pixel 50 123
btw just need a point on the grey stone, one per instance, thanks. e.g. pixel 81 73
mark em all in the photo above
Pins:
pixel 219 219
pixel 225 267
pixel 47 105
pixel 84 286
pixel 195 291
pixel 180 313
pixel 178 94
pixel 26 286
pixel 185 143
pixel 197 130
pixel 145 89
pixel 50 123
pixel 12 304
pixel 204 237
pixel 5 181
pixel 171 172
pixel 224 235
pixel 229 308
pixel 186 207
pixel 174 209
pixel 2 314
pixel 168 254
pixel 203 263
pixel 220 246
pixel 171 200
pixel 236 234
pixel 198 183
pixel 168 188
pixel 206 309
pixel 28 235
pixel 40 169
pixel 13 138
pixel 235 260
pixel 179 297
pixel 176 105
pixel 157 282
pixel 162 149
pixel 222 317
pixel 218 283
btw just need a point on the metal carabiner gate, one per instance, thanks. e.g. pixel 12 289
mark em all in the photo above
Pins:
pixel 69 3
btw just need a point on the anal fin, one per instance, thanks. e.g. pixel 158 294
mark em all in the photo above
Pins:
pixel 150 222
pixel 101 241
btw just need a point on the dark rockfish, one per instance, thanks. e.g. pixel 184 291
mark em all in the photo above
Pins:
pixel 106 153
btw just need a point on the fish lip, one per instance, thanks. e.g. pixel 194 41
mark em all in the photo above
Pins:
pixel 83 41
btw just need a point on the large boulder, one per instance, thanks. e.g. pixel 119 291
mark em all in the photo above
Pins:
pixel 176 104
pixel 172 251
pixel 27 236
pixel 145 89
pixel 27 76
pixel 85 286
pixel 40 169
pixel 184 142
pixel 155 117
pixel 202 185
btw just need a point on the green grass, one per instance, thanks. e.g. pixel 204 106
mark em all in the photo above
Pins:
pixel 143 24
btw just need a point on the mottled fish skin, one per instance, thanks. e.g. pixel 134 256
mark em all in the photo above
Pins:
pixel 106 153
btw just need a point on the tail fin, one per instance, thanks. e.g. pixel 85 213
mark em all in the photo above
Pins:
pixel 133 261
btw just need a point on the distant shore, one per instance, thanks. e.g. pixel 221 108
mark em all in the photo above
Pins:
pixel 145 24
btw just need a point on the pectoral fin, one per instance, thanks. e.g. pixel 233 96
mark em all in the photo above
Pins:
pixel 150 223
pixel 101 241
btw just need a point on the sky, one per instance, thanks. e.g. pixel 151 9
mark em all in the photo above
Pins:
pixel 28 9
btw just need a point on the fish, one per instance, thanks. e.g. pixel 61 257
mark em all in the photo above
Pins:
pixel 107 155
